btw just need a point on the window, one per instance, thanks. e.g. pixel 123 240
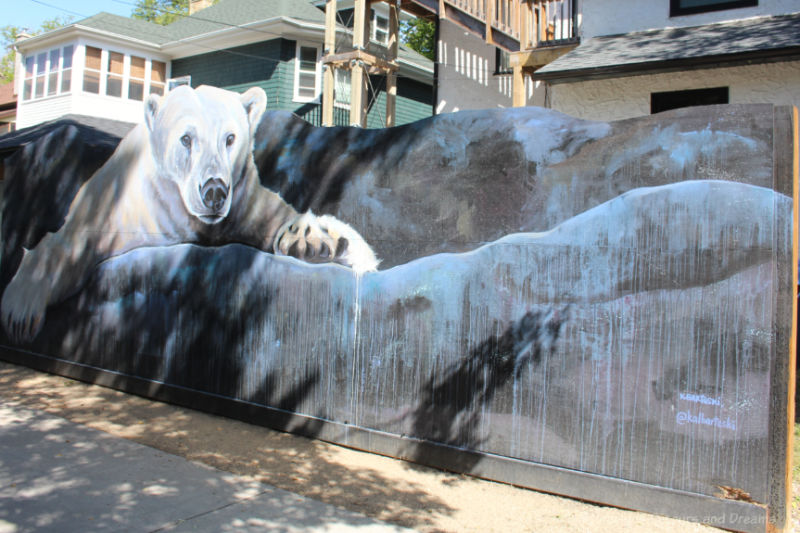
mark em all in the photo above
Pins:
pixel 27 89
pixel 115 69
pixel 47 73
pixel 41 73
pixel 136 78
pixel 158 77
pixel 675 99
pixel 66 69
pixel 125 76
pixel 341 90
pixel 52 72
pixel 502 62
pixel 91 71
pixel 306 73
pixel 691 7
pixel 379 28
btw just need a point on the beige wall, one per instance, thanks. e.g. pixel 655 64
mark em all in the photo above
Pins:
pixel 618 98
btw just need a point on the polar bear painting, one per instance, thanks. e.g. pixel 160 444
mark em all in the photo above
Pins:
pixel 184 176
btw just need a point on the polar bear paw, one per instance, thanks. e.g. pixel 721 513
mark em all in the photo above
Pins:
pixel 325 239
pixel 23 309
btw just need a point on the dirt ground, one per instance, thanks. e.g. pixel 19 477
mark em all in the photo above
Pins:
pixel 387 489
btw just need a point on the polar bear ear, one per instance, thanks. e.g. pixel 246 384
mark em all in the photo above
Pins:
pixel 150 109
pixel 254 101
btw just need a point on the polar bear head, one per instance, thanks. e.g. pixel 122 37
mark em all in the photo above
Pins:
pixel 202 140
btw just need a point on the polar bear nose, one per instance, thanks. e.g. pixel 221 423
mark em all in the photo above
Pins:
pixel 214 192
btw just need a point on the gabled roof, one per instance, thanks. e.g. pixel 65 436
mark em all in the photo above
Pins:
pixel 225 15
pixel 128 27
pixel 229 13
pixel 722 44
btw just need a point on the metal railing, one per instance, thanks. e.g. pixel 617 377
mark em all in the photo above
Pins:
pixel 312 113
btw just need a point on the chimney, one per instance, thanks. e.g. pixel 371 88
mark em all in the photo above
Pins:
pixel 197 5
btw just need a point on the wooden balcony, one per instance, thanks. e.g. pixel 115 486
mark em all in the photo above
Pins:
pixel 513 25
pixel 534 31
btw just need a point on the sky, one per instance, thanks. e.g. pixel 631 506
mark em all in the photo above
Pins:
pixel 30 13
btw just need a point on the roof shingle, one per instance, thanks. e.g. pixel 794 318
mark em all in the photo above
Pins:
pixel 607 56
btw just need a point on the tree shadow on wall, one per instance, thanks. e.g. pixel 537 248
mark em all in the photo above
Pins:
pixel 450 409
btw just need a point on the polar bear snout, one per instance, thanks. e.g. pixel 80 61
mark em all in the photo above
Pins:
pixel 213 193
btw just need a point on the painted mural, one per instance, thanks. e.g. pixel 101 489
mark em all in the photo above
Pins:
pixel 596 309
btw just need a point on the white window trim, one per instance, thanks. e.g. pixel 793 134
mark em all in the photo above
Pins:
pixel 317 75
pixel 373 28
pixel 59 73
pixel 126 73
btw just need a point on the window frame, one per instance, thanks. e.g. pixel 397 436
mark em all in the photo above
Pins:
pixel 500 68
pixel 675 9
pixel 346 82
pixel 44 79
pixel 296 96
pixel 374 29
pixel 117 77
pixel 96 71
pixel 154 80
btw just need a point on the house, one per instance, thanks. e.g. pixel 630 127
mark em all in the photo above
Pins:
pixel 677 54
pixel 8 108
pixel 105 65
pixel 609 60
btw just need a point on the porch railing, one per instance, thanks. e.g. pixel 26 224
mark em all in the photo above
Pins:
pixel 538 22
pixel 312 113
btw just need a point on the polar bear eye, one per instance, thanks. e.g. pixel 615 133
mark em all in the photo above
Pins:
pixel 229 140
pixel 186 140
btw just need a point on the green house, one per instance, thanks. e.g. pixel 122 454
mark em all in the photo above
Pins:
pixel 105 65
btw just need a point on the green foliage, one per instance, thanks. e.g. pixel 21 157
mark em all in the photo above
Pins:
pixel 418 34
pixel 10 34
pixel 160 11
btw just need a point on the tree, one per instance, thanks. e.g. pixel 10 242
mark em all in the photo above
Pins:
pixel 10 34
pixel 419 34
pixel 160 11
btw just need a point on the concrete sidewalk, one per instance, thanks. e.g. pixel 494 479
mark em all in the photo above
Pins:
pixel 59 476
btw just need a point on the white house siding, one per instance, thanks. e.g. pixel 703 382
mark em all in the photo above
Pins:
pixel 109 107
pixel 466 72
pixel 42 110
pixel 611 17
pixel 79 102
pixel 626 97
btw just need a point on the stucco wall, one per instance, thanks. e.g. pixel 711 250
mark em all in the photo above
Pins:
pixel 609 17
pixel 618 98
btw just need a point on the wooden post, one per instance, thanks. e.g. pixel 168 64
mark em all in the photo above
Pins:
pixel 329 76
pixel 491 9
pixel 525 18
pixel 358 74
pixel 391 76
pixel 518 85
